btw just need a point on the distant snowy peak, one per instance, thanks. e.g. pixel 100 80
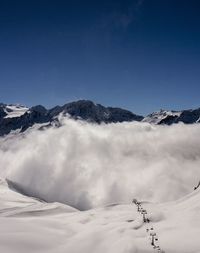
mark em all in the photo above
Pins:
pixel 158 117
pixel 172 117
pixel 20 118
pixel 13 111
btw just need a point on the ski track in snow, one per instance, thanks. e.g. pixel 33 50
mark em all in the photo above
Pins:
pixel 29 225
pixel 103 163
pixel 91 166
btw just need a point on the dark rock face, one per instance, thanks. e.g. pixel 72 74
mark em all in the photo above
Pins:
pixel 97 113
pixel 186 116
pixel 189 116
pixel 37 114
pixel 2 113
pixel 88 111
pixel 169 120
pixel 120 115
pixel 83 109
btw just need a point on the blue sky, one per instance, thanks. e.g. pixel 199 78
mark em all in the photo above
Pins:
pixel 138 54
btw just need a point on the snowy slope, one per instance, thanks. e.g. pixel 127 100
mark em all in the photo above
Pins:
pixel 177 224
pixel 29 225
pixel 157 117
pixel 14 111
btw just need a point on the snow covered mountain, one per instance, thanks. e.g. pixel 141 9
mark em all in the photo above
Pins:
pixel 164 117
pixel 18 117
pixel 12 111
pixel 160 116
pixel 63 181
pixel 30 225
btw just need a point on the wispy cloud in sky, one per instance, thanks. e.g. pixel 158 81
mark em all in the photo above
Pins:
pixel 116 20
pixel 123 16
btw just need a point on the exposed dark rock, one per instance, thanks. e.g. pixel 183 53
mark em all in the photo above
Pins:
pixel 91 112
pixel 2 113
pixel 186 116
pixel 82 109
pixel 169 120
pixel 189 116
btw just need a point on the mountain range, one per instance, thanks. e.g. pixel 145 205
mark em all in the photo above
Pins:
pixel 19 117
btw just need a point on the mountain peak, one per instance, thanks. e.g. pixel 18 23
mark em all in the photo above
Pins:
pixel 82 109
pixel 13 117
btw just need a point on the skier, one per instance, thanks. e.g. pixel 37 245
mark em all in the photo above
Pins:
pixel 135 201
pixel 197 186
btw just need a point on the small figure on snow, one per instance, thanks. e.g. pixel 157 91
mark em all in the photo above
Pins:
pixel 197 186
pixel 135 201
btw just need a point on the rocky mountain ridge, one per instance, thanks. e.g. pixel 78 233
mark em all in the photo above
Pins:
pixel 19 117
pixel 82 109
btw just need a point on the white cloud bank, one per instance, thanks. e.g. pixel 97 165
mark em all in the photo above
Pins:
pixel 86 165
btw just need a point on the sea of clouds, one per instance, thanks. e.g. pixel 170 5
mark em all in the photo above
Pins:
pixel 86 165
